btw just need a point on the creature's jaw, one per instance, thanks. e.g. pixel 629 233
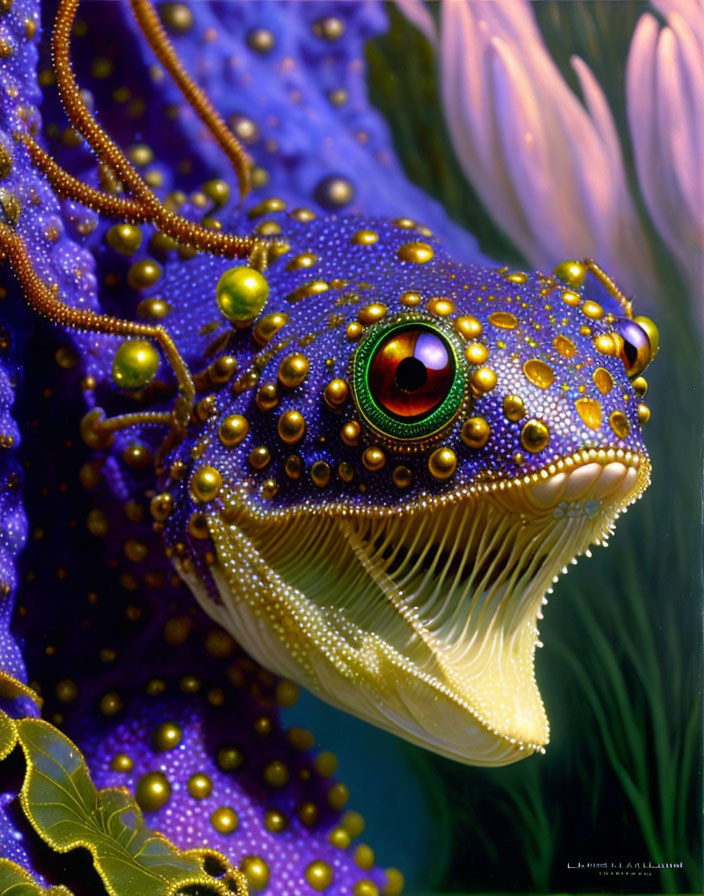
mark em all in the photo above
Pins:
pixel 422 622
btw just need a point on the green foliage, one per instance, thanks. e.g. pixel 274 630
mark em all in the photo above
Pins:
pixel 15 881
pixel 67 812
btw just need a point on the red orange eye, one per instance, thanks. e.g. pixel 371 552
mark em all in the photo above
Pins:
pixel 411 373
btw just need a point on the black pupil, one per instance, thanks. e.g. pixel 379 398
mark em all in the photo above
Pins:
pixel 411 374
pixel 631 352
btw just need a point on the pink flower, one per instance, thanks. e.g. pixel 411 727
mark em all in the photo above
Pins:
pixel 665 92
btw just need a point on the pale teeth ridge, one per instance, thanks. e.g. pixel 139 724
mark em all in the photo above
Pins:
pixel 580 482
pixel 548 492
pixel 611 478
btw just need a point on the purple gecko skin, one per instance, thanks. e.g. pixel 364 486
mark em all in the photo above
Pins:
pixel 121 649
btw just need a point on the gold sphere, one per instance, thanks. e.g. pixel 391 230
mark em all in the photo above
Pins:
pixel 535 436
pixel 365 238
pixel 364 856
pixel 643 414
pixel 365 887
pixel 167 736
pixel 320 473
pixel 259 457
pixel 340 838
pixel 351 433
pixel 416 253
pixel 177 17
pixel 571 272
pixel 319 875
pixel 293 370
pixel 374 459
pixel 276 774
pixel 353 823
pixel 274 821
pixel 291 427
pixel 224 820
pixel 124 238
pixel 336 393
pixel 161 506
pixel 371 313
pixel 154 307
pixel 402 477
pixel 233 429
pixel 143 274
pixel 354 330
pixel 241 294
pixel 222 369
pixel 153 791
pixel 411 299
pixel 293 467
pixel 286 693
pixel 338 795
pixel 483 380
pixel 442 463
pixel 268 326
pixel 206 483
pixel 261 40
pixel 441 306
pixel 199 786
pixel 640 386
pixel 267 397
pixel 217 191
pixel 121 762
pixel 619 424
pixel 66 690
pixel 468 326
pixel 110 703
pixel 476 353
pixel 137 456
pixel 345 471
pixel 229 758
pixel 136 361
pixel 256 871
pixel 513 407
pixel 394 883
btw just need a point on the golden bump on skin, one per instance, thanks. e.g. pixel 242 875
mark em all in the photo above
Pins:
pixel 482 380
pixel 233 430
pixel 198 526
pixel 475 432
pixel 640 386
pixel 224 820
pixel 222 369
pixel 167 736
pixel 259 457
pixel 513 407
pixel 564 346
pixel 606 344
pixel 365 238
pixel 504 320
pixel 206 483
pixel 153 791
pixel 416 253
pixel 354 330
pixel 267 397
pixel 411 299
pixel 351 433
pixel 603 380
pixel 345 471
pixel 592 310
pixel 371 313
pixel 199 786
pixel 571 298
pixel 441 306
pixel 266 207
pixel 539 373
pixel 468 326
pixel 442 463
pixel 161 506
pixel 518 277
pixel 320 473
pixel 619 424
pixel 402 477
pixel 144 273
pixel 315 288
pixel 374 459
pixel 477 353
pixel 293 467
pixel 291 427
pixel 241 294
pixel 319 875
pixel 293 370
pixel 336 393
pixel 590 412
pixel 304 260
pixel 535 436
pixel 256 871
pixel 643 414
pixel 268 326
pixel 571 272
pixel 124 238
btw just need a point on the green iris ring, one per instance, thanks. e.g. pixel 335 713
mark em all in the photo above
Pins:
pixel 380 420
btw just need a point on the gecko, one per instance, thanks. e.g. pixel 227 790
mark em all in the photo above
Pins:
pixel 372 459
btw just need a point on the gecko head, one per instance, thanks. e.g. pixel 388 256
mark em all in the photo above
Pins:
pixel 410 452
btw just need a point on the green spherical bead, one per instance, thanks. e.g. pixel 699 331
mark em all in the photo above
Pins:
pixel 136 362
pixel 241 294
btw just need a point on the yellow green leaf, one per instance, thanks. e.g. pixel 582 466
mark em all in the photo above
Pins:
pixel 15 881
pixel 8 736
pixel 11 687
pixel 67 811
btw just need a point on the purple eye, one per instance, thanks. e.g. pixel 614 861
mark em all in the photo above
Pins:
pixel 637 352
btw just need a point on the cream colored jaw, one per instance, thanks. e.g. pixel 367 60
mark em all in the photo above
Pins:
pixel 424 623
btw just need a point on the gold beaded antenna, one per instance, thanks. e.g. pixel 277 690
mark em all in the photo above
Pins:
pixel 140 206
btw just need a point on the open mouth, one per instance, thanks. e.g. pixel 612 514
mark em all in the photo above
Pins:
pixel 423 621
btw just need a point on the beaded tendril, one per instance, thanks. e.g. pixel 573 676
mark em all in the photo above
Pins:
pixel 141 206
